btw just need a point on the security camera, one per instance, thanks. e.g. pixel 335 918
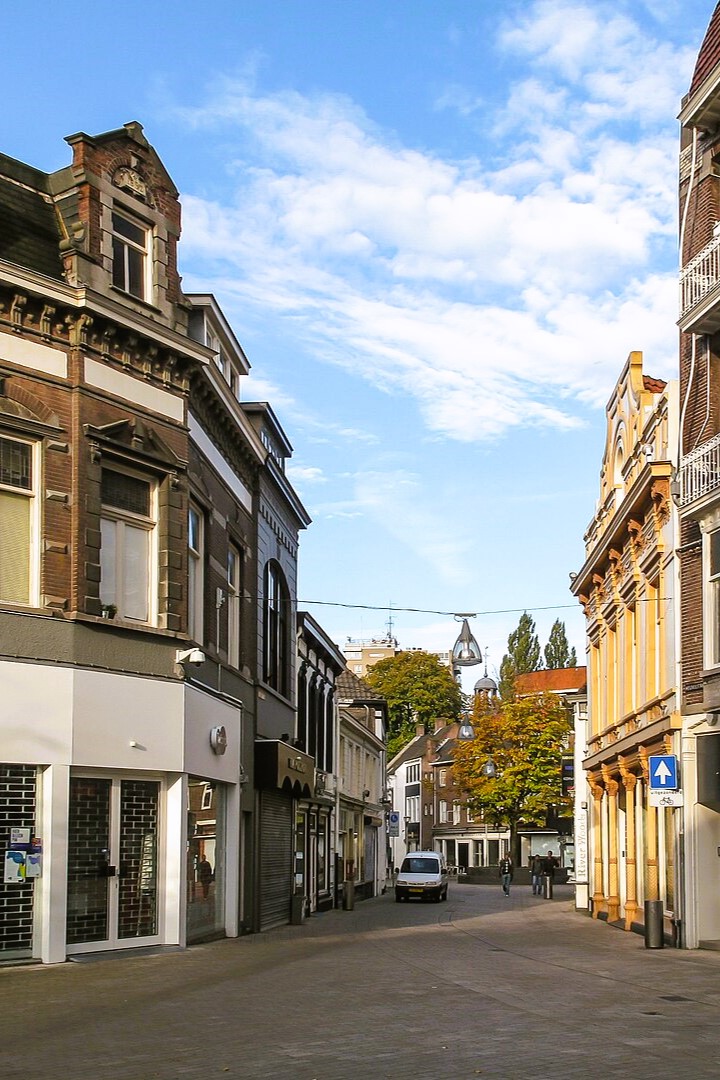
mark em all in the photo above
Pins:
pixel 190 656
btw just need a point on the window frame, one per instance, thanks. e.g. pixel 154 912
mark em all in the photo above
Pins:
pixel 31 493
pixel 196 575
pixel 149 525
pixel 276 622
pixel 234 606
pixel 120 243
pixel 711 599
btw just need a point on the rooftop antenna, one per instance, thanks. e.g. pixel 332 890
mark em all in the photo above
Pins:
pixel 390 624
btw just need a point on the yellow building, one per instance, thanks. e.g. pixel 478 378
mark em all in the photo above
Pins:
pixel 628 589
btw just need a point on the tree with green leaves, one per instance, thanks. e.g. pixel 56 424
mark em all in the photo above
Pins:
pixel 523 655
pixel 418 689
pixel 525 739
pixel 558 653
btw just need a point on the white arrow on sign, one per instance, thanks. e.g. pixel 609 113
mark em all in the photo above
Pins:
pixel 663 773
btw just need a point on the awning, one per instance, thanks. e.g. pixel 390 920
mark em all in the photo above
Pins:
pixel 280 765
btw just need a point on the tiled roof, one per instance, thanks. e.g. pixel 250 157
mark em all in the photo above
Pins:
pixel 709 54
pixel 553 681
pixel 655 386
pixel 29 229
pixel 352 688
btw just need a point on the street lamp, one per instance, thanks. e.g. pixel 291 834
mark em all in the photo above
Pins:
pixel 466 651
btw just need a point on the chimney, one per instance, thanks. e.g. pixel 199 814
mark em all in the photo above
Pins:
pixel 419 728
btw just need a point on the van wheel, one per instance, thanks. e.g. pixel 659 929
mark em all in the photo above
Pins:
pixel 398 898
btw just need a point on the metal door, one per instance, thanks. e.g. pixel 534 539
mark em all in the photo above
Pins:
pixel 112 863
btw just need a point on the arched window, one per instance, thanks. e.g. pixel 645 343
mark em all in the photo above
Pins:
pixel 276 652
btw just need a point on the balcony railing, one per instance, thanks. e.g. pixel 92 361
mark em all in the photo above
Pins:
pixel 698 280
pixel 700 472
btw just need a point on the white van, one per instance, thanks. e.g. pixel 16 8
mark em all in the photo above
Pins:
pixel 423 873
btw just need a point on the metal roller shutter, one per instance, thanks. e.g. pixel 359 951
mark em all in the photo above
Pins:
pixel 276 823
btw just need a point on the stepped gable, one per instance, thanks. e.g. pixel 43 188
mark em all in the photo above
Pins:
pixel 709 54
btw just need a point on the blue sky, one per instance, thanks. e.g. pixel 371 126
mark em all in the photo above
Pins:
pixel 438 230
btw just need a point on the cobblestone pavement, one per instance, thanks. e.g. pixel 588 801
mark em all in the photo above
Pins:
pixel 480 986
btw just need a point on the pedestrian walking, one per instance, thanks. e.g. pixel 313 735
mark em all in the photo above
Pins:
pixel 536 872
pixel 549 864
pixel 506 873
pixel 205 876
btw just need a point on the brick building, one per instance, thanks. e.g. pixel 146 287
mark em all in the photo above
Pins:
pixel 148 554
pixel 628 588
pixel 697 486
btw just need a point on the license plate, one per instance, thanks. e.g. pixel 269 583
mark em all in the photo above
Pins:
pixel 414 890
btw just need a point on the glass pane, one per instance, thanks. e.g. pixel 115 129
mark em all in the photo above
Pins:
pixel 136 272
pixel 118 270
pixel 88 860
pixel 14 548
pixel 126 228
pixel 715 552
pixel 137 872
pixel 15 464
pixel 205 866
pixel 136 573
pixel 194 530
pixel 108 563
pixel 125 492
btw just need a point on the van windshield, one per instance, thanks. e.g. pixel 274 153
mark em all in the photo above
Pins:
pixel 419 866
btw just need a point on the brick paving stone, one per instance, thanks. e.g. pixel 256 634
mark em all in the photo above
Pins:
pixel 480 986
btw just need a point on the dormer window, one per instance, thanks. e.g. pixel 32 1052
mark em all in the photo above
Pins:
pixel 131 243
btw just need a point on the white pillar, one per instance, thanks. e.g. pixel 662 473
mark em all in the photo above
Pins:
pixel 175 915
pixel 51 887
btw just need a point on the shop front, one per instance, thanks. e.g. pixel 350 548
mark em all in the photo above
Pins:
pixel 284 777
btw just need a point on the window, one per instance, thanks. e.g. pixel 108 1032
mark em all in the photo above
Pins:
pixel 18 527
pixel 219 358
pixel 413 773
pixel 276 647
pixel 206 797
pixel 412 808
pixel 442 777
pixel 456 812
pixel 127 554
pixel 234 584
pixel 713 596
pixel 442 812
pixel 130 242
pixel 195 574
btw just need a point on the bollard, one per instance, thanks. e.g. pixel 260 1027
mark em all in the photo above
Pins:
pixel 349 896
pixel 547 887
pixel 654 936
pixel 297 909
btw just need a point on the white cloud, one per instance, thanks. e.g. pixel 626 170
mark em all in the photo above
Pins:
pixel 494 298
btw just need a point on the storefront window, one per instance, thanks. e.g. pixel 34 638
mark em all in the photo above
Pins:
pixel 205 860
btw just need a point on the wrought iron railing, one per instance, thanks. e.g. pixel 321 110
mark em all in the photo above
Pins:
pixel 700 471
pixel 700 276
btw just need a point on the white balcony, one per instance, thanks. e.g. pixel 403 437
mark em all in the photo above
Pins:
pixel 700 472
pixel 700 291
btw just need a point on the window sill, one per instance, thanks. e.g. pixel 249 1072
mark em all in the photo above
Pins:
pixel 145 305
pixel 123 624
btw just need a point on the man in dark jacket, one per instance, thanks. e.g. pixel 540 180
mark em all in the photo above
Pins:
pixel 506 873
